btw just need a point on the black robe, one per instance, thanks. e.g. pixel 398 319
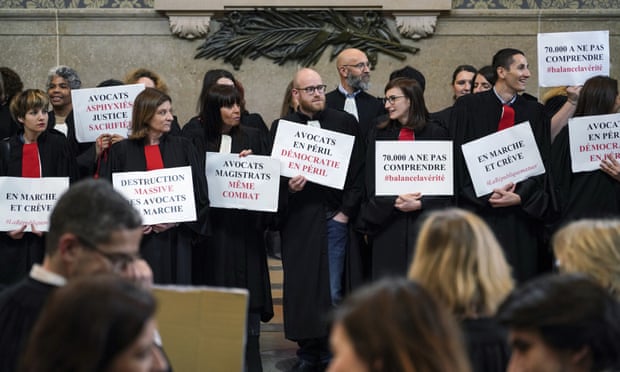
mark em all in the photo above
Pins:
pixel 20 306
pixel 18 255
pixel 519 229
pixel 169 252
pixel 592 194
pixel 303 226
pixel 234 254
pixel 393 233
pixel 486 343
pixel 369 108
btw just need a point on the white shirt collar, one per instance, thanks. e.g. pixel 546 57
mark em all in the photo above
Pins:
pixel 41 274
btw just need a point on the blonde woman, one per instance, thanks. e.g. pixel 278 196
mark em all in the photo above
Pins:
pixel 591 247
pixel 459 261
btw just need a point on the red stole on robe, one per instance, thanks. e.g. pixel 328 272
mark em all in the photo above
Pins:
pixel 153 157
pixel 31 166
pixel 508 118
pixel 406 134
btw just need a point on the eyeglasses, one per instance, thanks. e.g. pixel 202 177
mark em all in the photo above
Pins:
pixel 311 89
pixel 360 66
pixel 119 261
pixel 391 99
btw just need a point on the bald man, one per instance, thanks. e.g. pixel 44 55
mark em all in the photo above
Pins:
pixel 314 229
pixel 350 96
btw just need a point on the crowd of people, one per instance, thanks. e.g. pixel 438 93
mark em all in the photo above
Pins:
pixel 408 282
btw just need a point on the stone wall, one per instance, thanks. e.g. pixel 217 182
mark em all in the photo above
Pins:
pixel 107 43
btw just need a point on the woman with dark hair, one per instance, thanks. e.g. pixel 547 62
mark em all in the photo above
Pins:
pixel 32 152
pixel 391 221
pixel 234 255
pixel 166 246
pixel 484 79
pixel 594 194
pixel 224 77
pixel 414 333
pixel 112 328
pixel 462 80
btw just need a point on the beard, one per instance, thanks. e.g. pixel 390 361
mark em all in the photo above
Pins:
pixel 361 82
pixel 310 107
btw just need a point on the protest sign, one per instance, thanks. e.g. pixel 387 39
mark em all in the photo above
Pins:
pixel 571 58
pixel 403 167
pixel 591 138
pixel 22 201
pixel 103 110
pixel 250 182
pixel 510 155
pixel 162 196
pixel 322 156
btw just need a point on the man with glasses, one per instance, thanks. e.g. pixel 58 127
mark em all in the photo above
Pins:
pixel 92 229
pixel 350 96
pixel 314 229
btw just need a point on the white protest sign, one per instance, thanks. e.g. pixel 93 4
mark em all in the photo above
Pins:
pixel 103 110
pixel 510 155
pixel 322 156
pixel 403 167
pixel 250 182
pixel 162 196
pixel 23 201
pixel 571 58
pixel 591 138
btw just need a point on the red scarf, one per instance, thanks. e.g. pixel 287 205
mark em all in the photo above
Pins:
pixel 153 157
pixel 31 167
pixel 406 134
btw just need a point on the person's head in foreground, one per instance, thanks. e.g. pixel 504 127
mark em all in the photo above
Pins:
pixel 395 325
pixel 459 261
pixel 94 324
pixel 562 323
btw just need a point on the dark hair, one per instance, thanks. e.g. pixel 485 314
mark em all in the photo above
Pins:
pixel 217 97
pixel 106 314
pixel 27 100
pixel 144 107
pixel 110 83
pixel 414 333
pixel 570 312
pixel 210 79
pixel 287 101
pixel 418 113
pixel 461 68
pixel 597 97
pixel 67 73
pixel 488 72
pixel 90 209
pixel 12 82
pixel 410 73
pixel 504 58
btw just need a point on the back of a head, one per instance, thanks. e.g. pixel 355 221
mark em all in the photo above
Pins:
pixel 459 261
pixel 87 323
pixel 110 83
pixel 414 333
pixel 570 312
pixel 90 209
pixel 12 82
pixel 591 247
pixel 597 97
pixel 410 73
pixel 504 58
pixel 67 73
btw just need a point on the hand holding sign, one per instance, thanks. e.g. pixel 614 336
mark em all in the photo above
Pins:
pixel 408 202
pixel 297 183
pixel 611 166
pixel 505 196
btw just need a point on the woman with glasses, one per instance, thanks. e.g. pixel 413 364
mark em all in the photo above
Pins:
pixel 165 246
pixel 234 255
pixel 33 152
pixel 390 221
